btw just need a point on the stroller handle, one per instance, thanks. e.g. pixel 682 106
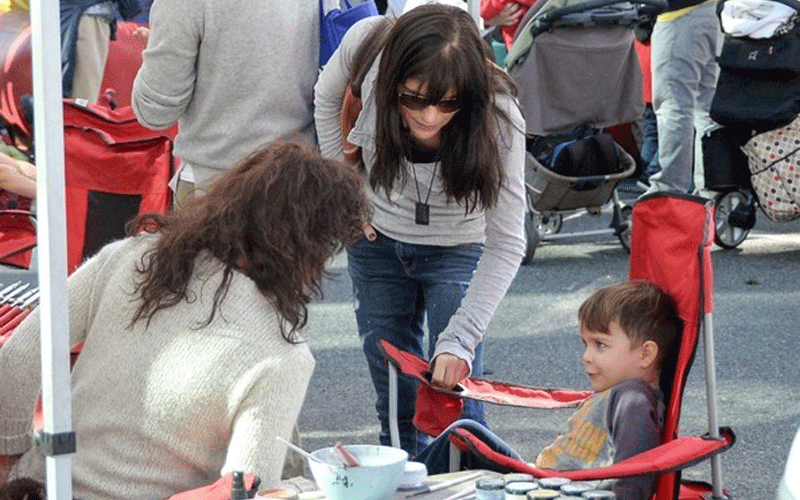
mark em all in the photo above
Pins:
pixel 643 9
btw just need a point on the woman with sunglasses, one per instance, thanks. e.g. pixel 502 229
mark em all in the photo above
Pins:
pixel 443 152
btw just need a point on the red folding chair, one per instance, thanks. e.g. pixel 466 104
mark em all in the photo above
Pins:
pixel 17 238
pixel 670 247
pixel 115 169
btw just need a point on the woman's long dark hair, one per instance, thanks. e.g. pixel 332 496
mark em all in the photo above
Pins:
pixel 440 45
pixel 277 217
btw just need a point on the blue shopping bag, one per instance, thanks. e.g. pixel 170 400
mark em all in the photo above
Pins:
pixel 334 24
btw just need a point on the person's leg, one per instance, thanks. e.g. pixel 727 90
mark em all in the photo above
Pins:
pixel 445 274
pixel 678 57
pixel 91 53
pixel 649 143
pixel 386 302
pixel 436 456
pixel 712 36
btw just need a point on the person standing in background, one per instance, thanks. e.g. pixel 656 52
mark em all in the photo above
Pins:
pixel 684 77
pixel 230 76
pixel 87 27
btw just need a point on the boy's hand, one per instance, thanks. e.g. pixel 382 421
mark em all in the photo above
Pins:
pixel 448 371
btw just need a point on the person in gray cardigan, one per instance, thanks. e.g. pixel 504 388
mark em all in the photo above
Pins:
pixel 231 77
pixel 443 147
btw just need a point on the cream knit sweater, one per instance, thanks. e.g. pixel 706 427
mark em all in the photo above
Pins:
pixel 164 408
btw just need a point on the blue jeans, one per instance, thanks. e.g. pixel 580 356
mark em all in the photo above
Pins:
pixel 649 151
pixel 397 286
pixel 436 456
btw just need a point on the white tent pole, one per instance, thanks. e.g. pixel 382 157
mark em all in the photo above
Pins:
pixel 474 9
pixel 57 439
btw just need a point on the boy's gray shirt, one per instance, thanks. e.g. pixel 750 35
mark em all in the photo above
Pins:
pixel 610 426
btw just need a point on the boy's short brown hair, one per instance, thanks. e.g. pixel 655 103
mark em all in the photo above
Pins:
pixel 643 311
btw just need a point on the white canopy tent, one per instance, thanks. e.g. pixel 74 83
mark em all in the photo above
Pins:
pixel 57 439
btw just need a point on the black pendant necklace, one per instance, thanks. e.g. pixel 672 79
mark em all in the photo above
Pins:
pixel 422 215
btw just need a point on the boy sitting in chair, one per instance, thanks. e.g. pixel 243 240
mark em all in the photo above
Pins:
pixel 628 330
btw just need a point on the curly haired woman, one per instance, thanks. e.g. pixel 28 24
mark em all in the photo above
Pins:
pixel 192 363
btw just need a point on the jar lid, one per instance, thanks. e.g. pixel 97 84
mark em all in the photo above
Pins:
pixel 279 493
pixel 520 487
pixel 517 476
pixel 490 484
pixel 599 495
pixel 542 494
pixel 553 482
pixel 576 489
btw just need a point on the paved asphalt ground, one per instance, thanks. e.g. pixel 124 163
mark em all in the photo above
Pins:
pixel 533 340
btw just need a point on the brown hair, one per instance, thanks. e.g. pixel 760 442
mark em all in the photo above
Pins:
pixel 22 488
pixel 441 45
pixel 277 217
pixel 643 311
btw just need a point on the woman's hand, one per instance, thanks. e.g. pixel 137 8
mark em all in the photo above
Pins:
pixel 370 232
pixel 448 371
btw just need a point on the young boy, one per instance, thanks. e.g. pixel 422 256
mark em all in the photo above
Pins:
pixel 628 330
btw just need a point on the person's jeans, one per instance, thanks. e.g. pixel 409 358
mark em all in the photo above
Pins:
pixel 436 456
pixel 684 71
pixel 649 151
pixel 396 287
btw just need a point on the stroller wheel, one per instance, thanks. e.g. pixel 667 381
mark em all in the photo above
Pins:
pixel 728 235
pixel 532 238
pixel 548 223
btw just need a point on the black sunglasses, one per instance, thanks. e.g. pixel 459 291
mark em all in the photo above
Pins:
pixel 418 103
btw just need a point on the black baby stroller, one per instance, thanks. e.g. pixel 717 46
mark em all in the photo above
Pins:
pixel 578 74
pixel 754 160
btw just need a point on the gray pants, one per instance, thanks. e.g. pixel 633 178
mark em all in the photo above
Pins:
pixel 684 72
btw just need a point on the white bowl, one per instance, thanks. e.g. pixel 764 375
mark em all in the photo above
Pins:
pixel 377 477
